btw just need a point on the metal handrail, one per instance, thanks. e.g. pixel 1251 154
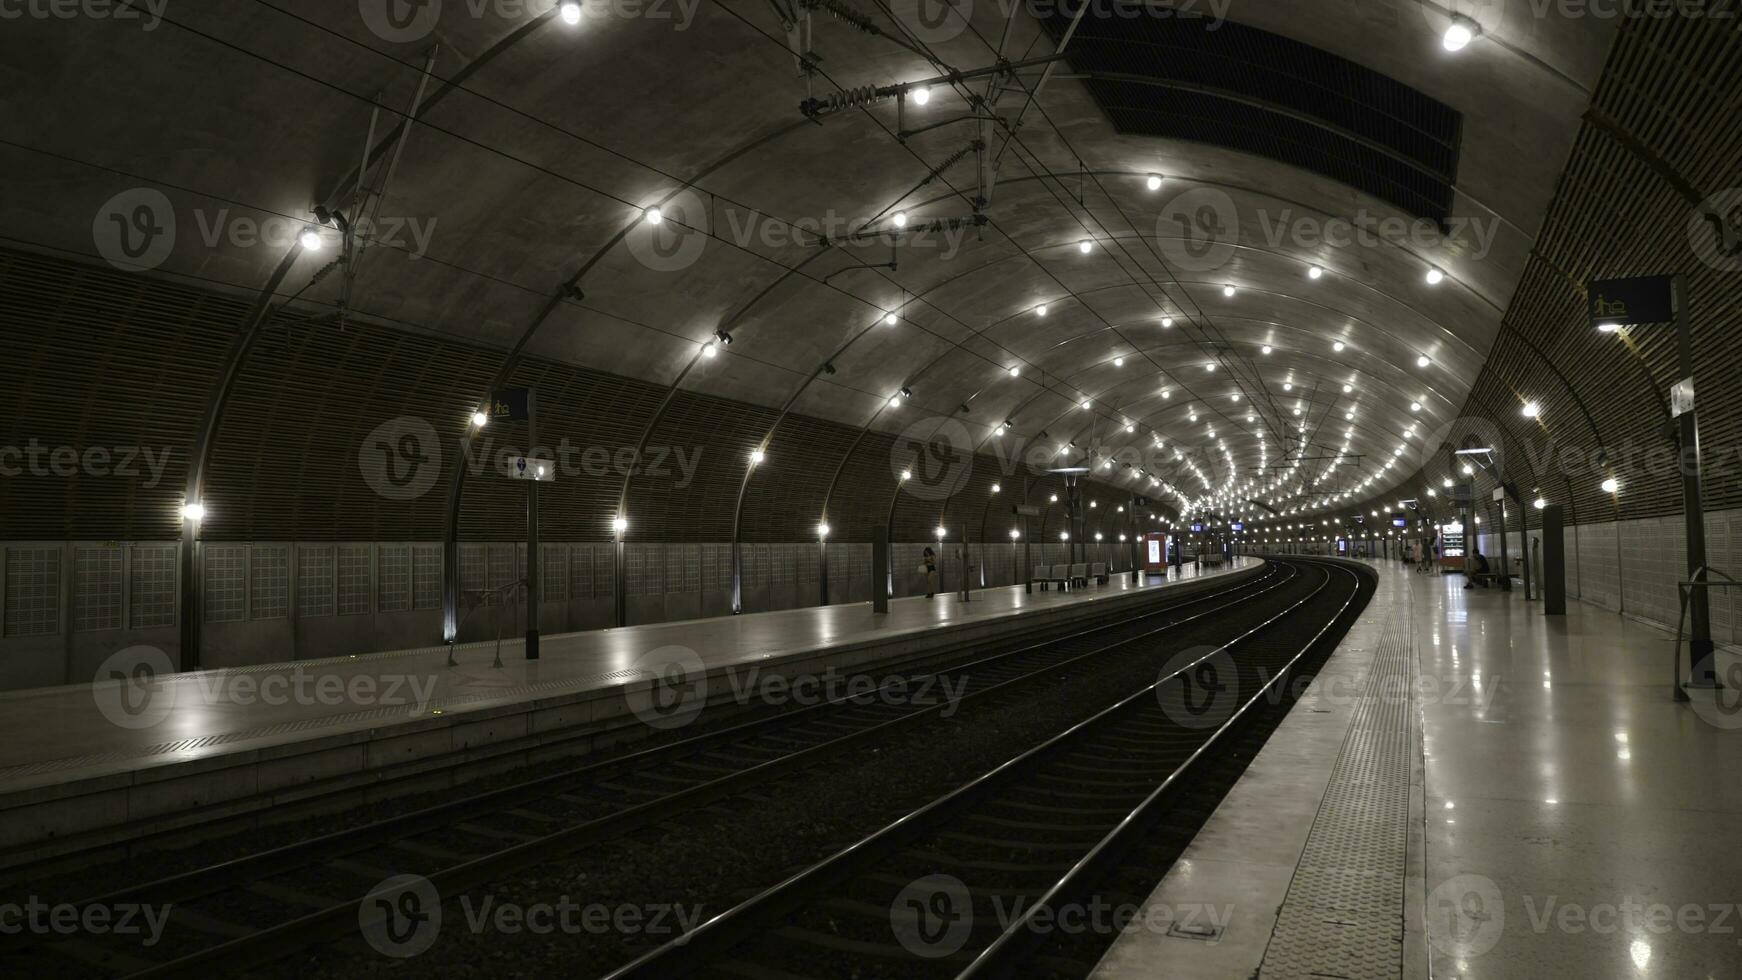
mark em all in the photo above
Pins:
pixel 1684 592
pixel 480 595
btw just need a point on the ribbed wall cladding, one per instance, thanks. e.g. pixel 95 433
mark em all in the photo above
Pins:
pixel 1660 140
pixel 127 363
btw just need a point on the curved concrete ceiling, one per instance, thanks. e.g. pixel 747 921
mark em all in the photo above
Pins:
pixel 533 170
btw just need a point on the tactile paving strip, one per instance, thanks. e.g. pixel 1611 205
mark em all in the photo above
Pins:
pixel 1343 915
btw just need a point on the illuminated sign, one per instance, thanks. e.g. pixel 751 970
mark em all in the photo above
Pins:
pixel 1644 299
pixel 509 405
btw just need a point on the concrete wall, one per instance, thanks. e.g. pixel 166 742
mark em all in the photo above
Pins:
pixel 66 606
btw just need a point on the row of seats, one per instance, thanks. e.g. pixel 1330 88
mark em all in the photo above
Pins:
pixel 1067 576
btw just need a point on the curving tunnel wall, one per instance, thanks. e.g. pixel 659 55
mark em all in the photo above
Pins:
pixel 325 529
pixel 331 402
pixel 1653 187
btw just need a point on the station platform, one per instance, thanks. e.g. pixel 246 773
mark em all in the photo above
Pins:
pixel 113 761
pixel 1470 788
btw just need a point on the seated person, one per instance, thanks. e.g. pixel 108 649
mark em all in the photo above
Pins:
pixel 1481 573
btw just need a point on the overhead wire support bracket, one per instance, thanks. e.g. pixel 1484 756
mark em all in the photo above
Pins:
pixel 866 96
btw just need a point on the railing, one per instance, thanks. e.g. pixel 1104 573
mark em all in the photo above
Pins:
pixel 476 601
pixel 1685 591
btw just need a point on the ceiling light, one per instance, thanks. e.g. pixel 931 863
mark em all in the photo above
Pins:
pixel 709 350
pixel 1349 414
pixel 1415 406
pixel 1014 534
pixel 890 318
pixel 895 402
pixel 757 456
pixel 822 530
pixel 1040 310
pixel 1338 346
pixel 1166 322
pixel 1611 485
pixel 1348 388
pixel 479 419
pixel 1265 349
pixel 1118 362
pixel 900 219
pixel 1210 367
pixel 1460 33
pixel 1608 327
pixel 906 475
pixel 653 215
pixel 1228 290
pixel 620 524
pixel 1015 370
pixel 1084 246
pixel 1315 272
pixel 1540 503
pixel 1154 182
pixel 194 511
pixel 922 95
pixel 1531 410
pixel 1422 361
pixel 571 12
pixel 1236 396
pixel 1085 404
pixel 997 488
pixel 1288 386
pixel 1435 277
pixel 311 240
pixel 939 531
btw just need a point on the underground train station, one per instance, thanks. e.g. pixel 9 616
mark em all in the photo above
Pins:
pixel 781 489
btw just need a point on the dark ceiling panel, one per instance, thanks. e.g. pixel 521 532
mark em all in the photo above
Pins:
pixel 1235 86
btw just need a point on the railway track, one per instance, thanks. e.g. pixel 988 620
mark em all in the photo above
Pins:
pixel 979 882
pixel 260 907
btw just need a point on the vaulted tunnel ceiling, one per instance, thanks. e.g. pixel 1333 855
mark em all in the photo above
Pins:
pixel 538 145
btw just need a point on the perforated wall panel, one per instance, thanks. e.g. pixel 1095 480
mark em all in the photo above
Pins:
pixel 354 583
pixel 269 582
pixel 151 585
pixel 225 592
pixel 393 564
pixel 314 580
pixel 97 577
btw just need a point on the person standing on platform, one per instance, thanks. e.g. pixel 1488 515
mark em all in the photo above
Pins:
pixel 929 565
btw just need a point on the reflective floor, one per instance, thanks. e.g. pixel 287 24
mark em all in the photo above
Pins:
pixel 53 734
pixel 1597 823
pixel 1566 817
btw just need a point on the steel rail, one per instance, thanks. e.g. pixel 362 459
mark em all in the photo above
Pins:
pixel 746 920
pixel 270 943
